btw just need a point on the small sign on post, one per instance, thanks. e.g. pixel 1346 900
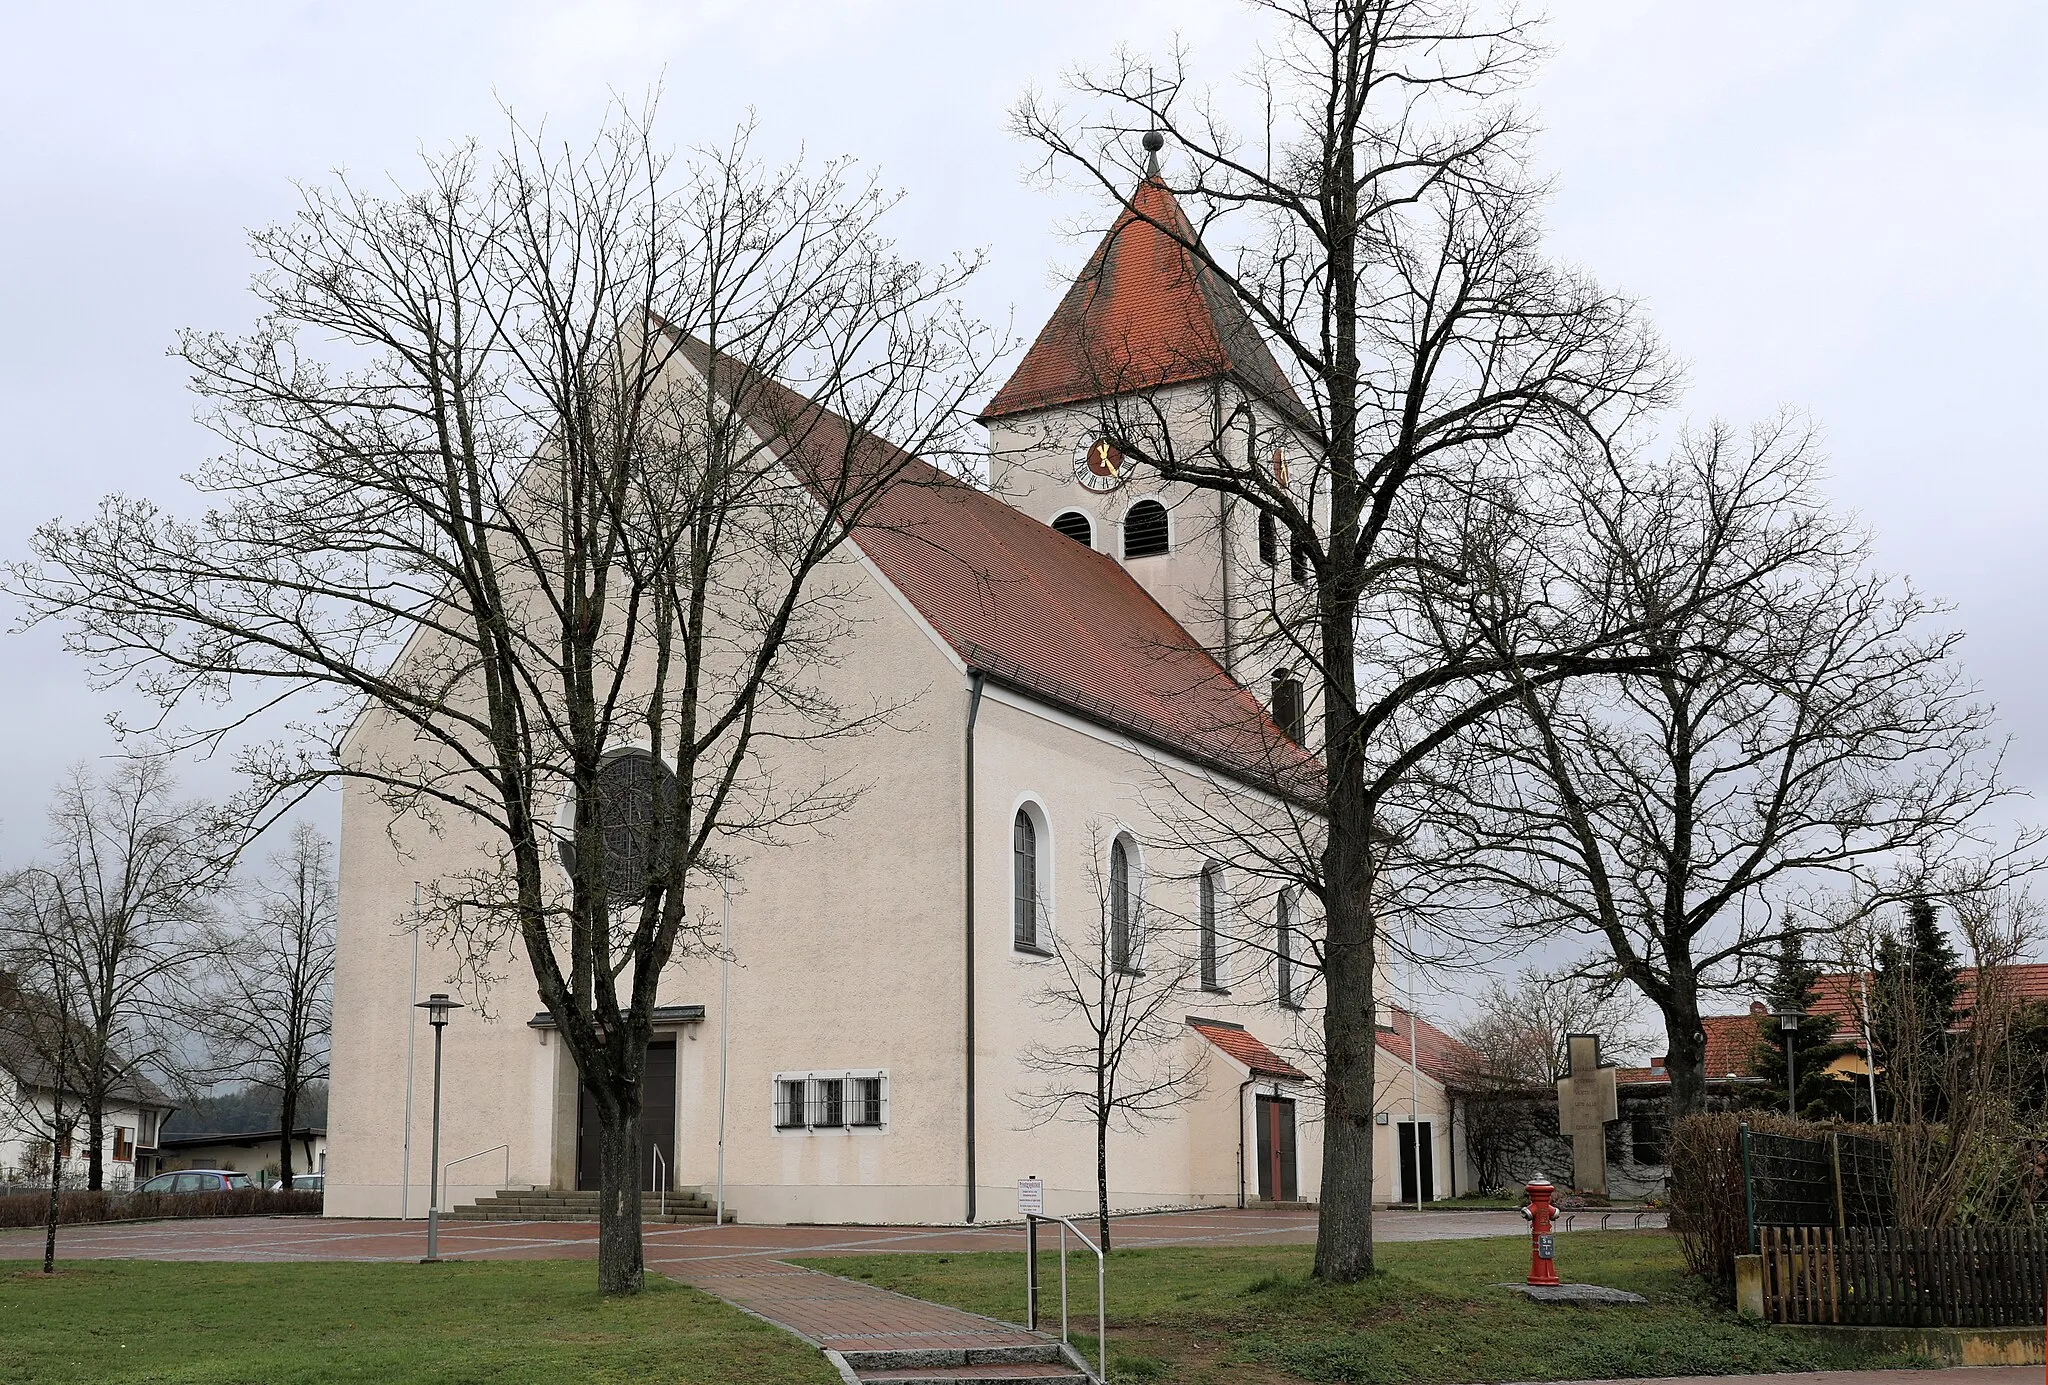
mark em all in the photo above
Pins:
pixel 1031 1206
pixel 1030 1197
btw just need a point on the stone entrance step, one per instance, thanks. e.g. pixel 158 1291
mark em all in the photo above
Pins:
pixel 685 1207
pixel 1034 1364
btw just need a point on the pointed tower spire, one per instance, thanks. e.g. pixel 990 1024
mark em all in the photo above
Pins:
pixel 1145 312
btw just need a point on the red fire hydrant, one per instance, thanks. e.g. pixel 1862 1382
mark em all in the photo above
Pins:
pixel 1542 1246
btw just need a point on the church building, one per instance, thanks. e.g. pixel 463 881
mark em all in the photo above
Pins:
pixel 1083 652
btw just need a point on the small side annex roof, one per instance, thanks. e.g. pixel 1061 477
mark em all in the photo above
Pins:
pixel 1237 1041
pixel 1023 605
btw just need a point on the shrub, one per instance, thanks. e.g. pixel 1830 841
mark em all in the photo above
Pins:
pixel 30 1209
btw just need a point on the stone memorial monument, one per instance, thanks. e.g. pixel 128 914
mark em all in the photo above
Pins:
pixel 1586 1101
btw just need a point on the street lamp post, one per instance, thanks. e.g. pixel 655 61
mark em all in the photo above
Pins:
pixel 437 1007
pixel 1788 1024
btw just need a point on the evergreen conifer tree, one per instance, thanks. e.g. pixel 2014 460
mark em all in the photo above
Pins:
pixel 1816 1045
pixel 1914 1001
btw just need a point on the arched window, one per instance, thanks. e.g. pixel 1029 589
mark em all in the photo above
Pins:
pixel 1024 857
pixel 1123 907
pixel 635 796
pixel 1269 539
pixel 1075 526
pixel 1145 530
pixel 1289 713
pixel 1212 893
pixel 1283 951
pixel 1297 560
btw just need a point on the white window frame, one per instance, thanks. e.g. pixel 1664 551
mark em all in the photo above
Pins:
pixel 811 1078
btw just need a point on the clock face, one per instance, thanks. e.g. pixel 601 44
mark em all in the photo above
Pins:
pixel 1100 465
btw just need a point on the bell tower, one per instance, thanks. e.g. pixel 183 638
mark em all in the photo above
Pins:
pixel 1149 348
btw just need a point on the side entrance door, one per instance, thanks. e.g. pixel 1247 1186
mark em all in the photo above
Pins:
pixel 1274 1117
pixel 657 1121
pixel 1412 1168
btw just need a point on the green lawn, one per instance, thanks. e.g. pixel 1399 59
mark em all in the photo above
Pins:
pixel 1252 1316
pixel 501 1323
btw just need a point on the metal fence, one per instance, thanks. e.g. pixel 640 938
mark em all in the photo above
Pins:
pixel 1840 1180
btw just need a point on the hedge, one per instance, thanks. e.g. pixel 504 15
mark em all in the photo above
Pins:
pixel 33 1209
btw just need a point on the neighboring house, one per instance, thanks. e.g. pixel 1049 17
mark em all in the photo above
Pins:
pixel 252 1152
pixel 135 1111
pixel 1074 656
pixel 1419 1106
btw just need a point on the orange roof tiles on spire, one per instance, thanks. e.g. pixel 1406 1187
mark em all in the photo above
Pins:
pixel 1145 312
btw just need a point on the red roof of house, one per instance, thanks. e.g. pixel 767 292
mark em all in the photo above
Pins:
pixel 1841 993
pixel 1731 1044
pixel 1144 312
pixel 1023 604
pixel 1443 1058
pixel 1233 1039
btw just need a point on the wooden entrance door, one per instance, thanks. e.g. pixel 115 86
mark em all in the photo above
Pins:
pixel 1274 1117
pixel 1414 1169
pixel 657 1121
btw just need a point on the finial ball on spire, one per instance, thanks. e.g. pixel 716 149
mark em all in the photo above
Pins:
pixel 1154 141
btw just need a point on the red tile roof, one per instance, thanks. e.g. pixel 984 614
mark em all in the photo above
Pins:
pixel 1023 604
pixel 1233 1039
pixel 1731 1044
pixel 1841 993
pixel 1144 312
pixel 1443 1058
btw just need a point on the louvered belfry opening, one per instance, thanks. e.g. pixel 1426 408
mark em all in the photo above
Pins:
pixel 1145 530
pixel 1077 527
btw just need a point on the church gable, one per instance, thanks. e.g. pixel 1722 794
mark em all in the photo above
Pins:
pixel 1028 608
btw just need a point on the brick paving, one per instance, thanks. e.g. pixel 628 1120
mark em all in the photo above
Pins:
pixel 1956 1375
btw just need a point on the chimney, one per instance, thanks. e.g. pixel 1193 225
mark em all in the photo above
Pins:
pixel 1757 1007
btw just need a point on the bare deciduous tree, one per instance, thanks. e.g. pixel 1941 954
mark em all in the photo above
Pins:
pixel 116 914
pixel 1520 1031
pixel 1117 1057
pixel 265 1008
pixel 1378 225
pixel 41 1055
pixel 1807 728
pixel 539 472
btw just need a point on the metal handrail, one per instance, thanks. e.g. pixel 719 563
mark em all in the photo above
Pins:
pixel 478 1155
pixel 660 1179
pixel 1101 1295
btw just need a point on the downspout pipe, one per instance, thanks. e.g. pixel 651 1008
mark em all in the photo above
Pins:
pixel 974 686
pixel 1240 1138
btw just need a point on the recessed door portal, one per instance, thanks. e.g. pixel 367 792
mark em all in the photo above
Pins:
pixel 657 1121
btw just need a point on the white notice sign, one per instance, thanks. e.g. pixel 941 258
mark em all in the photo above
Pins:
pixel 1030 1197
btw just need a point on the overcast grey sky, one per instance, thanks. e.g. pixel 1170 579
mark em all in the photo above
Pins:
pixel 1838 206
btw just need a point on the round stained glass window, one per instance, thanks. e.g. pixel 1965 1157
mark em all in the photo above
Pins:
pixel 635 797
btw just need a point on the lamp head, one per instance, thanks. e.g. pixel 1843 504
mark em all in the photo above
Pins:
pixel 1788 1020
pixel 437 1007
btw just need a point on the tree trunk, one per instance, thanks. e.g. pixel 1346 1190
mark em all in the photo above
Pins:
pixel 1685 1058
pixel 1344 1227
pixel 1102 1181
pixel 56 1193
pixel 620 1269
pixel 288 1110
pixel 95 1134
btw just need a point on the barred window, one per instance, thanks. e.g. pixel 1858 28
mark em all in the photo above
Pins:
pixel 866 1101
pixel 828 1102
pixel 821 1102
pixel 789 1104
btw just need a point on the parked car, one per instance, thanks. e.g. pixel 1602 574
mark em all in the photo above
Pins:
pixel 309 1182
pixel 197 1181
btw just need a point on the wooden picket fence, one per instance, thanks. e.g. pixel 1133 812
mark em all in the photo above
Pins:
pixel 1966 1276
